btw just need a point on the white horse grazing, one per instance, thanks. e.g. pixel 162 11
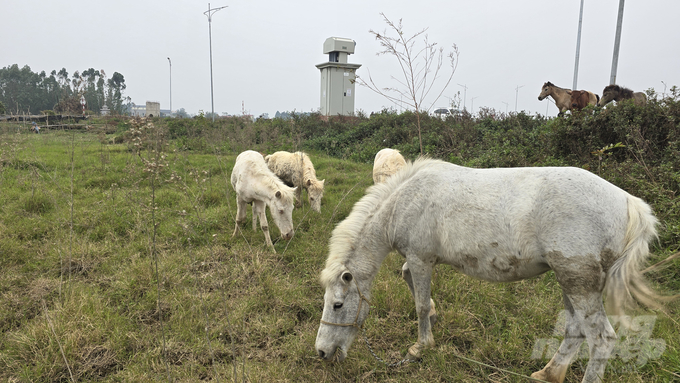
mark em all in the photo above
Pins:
pixel 500 225
pixel 296 169
pixel 254 182
pixel 387 162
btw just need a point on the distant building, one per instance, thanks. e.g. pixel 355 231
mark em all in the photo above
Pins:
pixel 153 109
pixel 138 110
pixel 105 110
pixel 337 77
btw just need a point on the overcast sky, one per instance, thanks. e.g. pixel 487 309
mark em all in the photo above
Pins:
pixel 265 52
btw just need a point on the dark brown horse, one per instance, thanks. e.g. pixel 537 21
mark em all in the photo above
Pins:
pixel 582 98
pixel 619 93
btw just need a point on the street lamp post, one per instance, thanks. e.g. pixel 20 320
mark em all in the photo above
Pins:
pixel 578 46
pixel 464 94
pixel 170 62
pixel 617 44
pixel 209 13
pixel 517 94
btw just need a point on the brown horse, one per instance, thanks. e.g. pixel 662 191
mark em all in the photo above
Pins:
pixel 619 93
pixel 582 98
pixel 563 97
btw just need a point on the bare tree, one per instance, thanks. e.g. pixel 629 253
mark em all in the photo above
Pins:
pixel 421 67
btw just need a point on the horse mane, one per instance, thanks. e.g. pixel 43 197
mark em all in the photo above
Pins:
pixel 287 192
pixel 555 86
pixel 308 171
pixel 345 234
pixel 623 92
pixel 626 93
pixel 272 182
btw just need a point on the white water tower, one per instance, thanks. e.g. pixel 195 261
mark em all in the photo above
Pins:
pixel 337 77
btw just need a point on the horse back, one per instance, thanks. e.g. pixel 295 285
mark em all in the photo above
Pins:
pixel 252 179
pixel 501 224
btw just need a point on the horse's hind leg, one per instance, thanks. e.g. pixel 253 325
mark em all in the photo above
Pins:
pixel 588 319
pixel 255 213
pixel 599 333
pixel 406 274
pixel 556 369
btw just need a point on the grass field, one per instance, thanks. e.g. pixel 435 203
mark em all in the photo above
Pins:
pixel 118 266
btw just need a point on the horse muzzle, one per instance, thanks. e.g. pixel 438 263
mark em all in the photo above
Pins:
pixel 336 355
pixel 287 236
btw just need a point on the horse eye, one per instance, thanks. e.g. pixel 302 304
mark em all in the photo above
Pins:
pixel 281 212
pixel 311 199
pixel 337 306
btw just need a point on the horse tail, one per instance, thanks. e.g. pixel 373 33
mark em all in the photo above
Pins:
pixel 625 282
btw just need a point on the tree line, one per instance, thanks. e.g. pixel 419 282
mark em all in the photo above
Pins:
pixel 25 91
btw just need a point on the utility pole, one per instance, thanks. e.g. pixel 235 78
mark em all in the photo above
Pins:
pixel 464 93
pixel 517 94
pixel 472 104
pixel 209 13
pixel 170 62
pixel 578 46
pixel 506 106
pixel 617 44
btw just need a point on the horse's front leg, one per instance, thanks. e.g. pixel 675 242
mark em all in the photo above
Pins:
pixel 406 274
pixel 259 207
pixel 298 196
pixel 421 276
pixel 241 210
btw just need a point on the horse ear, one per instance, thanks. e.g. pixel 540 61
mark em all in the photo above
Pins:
pixel 347 277
pixel 278 194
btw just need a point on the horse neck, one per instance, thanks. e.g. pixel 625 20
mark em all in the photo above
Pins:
pixel 264 188
pixel 560 94
pixel 370 249
pixel 309 173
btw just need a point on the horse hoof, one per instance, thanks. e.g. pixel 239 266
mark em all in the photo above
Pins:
pixel 546 377
pixel 414 353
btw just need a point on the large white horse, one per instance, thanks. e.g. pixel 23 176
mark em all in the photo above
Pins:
pixel 255 183
pixel 500 225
